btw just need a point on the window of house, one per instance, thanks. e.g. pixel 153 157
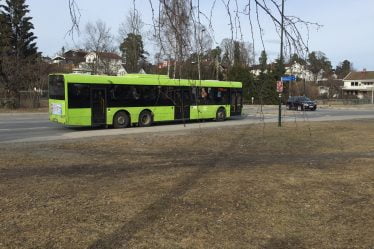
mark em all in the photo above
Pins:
pixel 352 83
pixel 356 83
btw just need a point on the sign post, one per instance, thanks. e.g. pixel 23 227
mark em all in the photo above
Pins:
pixel 280 90
pixel 288 78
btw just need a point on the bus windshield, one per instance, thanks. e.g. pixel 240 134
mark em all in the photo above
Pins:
pixel 56 87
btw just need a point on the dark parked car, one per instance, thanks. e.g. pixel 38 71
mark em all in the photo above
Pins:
pixel 301 103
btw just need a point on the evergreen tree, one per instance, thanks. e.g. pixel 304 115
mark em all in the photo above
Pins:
pixel 343 69
pixel 318 61
pixel 18 51
pixel 264 84
pixel 263 61
pixel 264 87
pixel 22 39
pixel 237 55
pixel 242 74
pixel 295 58
pixel 133 52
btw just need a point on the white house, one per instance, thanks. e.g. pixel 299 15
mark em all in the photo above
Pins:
pixel 103 63
pixel 58 59
pixel 359 84
pixel 122 71
pixel 299 71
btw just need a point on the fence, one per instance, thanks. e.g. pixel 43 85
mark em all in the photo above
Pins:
pixel 344 101
pixel 26 99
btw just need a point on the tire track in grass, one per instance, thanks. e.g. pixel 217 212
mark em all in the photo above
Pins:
pixel 120 237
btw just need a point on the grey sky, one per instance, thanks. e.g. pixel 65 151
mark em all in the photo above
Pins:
pixel 347 31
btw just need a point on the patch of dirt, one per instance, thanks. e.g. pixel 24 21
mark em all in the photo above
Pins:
pixel 305 185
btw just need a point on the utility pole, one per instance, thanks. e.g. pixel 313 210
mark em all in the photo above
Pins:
pixel 281 61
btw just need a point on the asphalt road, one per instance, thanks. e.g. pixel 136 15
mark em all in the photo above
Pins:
pixel 27 127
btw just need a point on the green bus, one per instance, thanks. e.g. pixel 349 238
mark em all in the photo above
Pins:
pixel 139 99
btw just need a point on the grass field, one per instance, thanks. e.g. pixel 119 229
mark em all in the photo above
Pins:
pixel 305 185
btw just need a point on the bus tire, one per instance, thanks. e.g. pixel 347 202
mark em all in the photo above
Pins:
pixel 145 118
pixel 121 120
pixel 221 114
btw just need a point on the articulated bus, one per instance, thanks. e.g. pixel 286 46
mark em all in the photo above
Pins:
pixel 123 101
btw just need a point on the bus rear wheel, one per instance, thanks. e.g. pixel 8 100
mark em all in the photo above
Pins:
pixel 145 118
pixel 121 120
pixel 221 114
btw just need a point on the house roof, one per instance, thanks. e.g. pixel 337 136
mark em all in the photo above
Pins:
pixel 107 55
pixel 75 53
pixel 58 57
pixel 258 66
pixel 75 56
pixel 363 75
pixel 110 55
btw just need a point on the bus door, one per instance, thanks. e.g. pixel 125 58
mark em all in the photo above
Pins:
pixel 182 99
pixel 98 106
pixel 236 102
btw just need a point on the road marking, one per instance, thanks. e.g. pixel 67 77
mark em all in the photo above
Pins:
pixel 27 129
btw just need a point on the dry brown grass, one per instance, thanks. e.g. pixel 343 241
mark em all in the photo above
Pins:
pixel 305 185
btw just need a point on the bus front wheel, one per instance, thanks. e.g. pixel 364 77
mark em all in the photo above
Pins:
pixel 121 120
pixel 145 118
pixel 221 114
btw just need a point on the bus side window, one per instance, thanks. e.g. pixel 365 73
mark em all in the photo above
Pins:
pixel 166 96
pixel 134 93
pixel 222 96
pixel 79 96
pixel 148 95
pixel 170 94
pixel 112 96
pixel 186 91
pixel 203 96
pixel 193 95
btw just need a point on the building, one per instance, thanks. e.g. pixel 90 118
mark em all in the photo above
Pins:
pixel 75 56
pixel 299 70
pixel 103 63
pixel 82 62
pixel 359 84
pixel 58 60
pixel 330 88
pixel 257 69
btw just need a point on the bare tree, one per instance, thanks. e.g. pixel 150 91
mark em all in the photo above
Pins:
pixel 174 29
pixel 176 21
pixel 98 39
pixel 133 24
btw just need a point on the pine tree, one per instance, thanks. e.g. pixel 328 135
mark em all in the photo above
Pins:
pixel 18 51
pixel 133 52
pixel 22 39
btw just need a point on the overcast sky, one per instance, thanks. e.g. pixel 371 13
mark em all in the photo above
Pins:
pixel 347 31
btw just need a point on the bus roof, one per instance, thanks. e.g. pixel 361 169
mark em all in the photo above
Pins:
pixel 146 79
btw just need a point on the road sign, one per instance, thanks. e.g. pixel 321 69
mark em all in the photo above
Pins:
pixel 279 86
pixel 288 78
